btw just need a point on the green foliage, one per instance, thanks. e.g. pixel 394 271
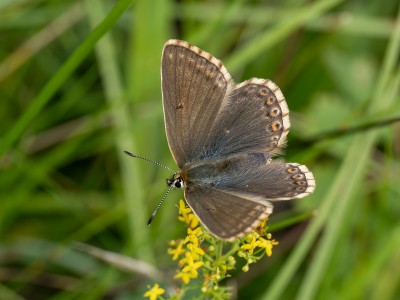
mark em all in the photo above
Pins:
pixel 79 83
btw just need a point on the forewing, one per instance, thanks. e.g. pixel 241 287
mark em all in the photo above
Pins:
pixel 255 118
pixel 225 215
pixel 194 84
pixel 254 176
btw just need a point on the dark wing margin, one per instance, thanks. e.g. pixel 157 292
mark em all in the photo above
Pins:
pixel 253 119
pixel 226 216
pixel 194 84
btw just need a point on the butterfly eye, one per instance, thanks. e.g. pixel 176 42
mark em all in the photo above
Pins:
pixel 178 183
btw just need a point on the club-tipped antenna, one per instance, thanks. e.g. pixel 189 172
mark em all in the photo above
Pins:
pixel 149 160
pixel 158 206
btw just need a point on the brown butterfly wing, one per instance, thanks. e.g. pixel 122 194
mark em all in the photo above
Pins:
pixel 194 84
pixel 222 136
pixel 253 176
pixel 226 216
pixel 253 119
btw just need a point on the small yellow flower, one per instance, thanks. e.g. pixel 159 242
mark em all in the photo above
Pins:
pixel 185 276
pixel 194 232
pixel 177 251
pixel 193 242
pixel 194 249
pixel 193 221
pixel 267 245
pixel 154 292
pixel 253 243
pixel 186 216
pixel 192 265
pixel 189 271
pixel 189 258
pixel 183 210
pixel 192 269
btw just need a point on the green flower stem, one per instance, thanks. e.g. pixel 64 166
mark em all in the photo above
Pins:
pixel 218 251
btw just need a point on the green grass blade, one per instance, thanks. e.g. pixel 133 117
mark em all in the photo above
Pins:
pixel 280 31
pixel 61 76
pixel 338 199
pixel 115 93
pixel 351 174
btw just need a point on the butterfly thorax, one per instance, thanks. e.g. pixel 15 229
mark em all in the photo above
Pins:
pixel 209 173
pixel 204 173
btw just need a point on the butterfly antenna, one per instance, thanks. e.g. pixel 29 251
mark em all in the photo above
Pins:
pixel 149 160
pixel 158 206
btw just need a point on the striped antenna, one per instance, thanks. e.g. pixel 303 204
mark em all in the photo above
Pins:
pixel 149 160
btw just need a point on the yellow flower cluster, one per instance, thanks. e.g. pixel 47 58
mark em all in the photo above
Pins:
pixel 258 240
pixel 254 240
pixel 193 254
pixel 201 253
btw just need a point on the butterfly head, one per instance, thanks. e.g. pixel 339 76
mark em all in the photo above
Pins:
pixel 176 181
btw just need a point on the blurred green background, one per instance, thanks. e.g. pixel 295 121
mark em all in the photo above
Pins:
pixel 70 103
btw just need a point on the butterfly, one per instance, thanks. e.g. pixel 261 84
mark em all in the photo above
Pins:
pixel 223 137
